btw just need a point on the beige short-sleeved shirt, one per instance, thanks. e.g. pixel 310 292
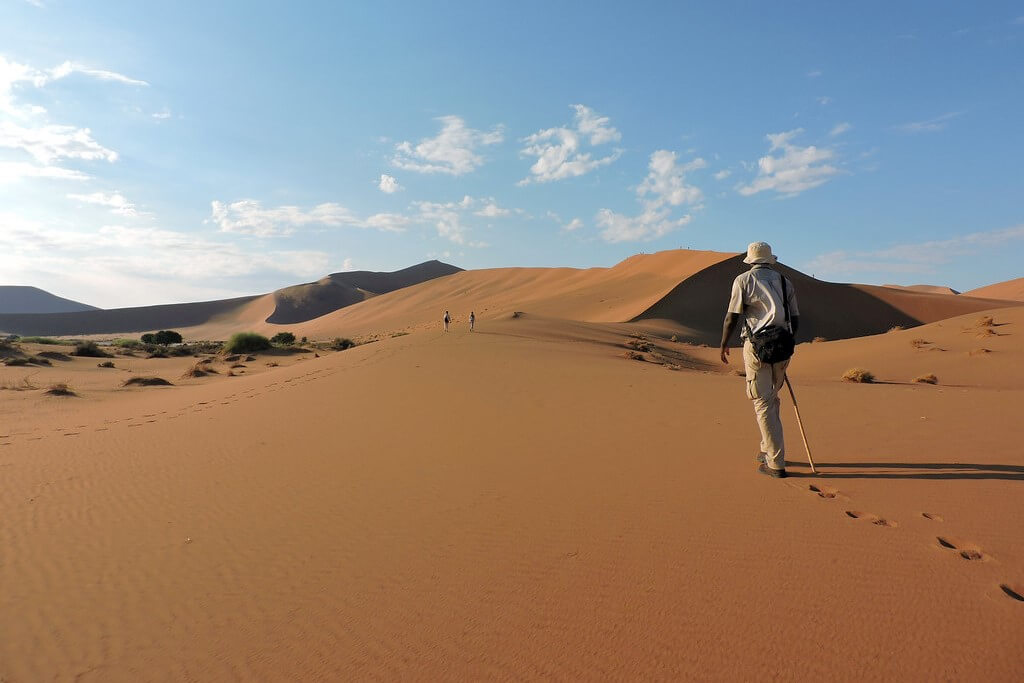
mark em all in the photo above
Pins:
pixel 757 295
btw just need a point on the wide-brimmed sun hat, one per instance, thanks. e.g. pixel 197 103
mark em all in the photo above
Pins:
pixel 759 252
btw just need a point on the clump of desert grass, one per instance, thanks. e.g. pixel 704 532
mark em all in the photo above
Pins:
pixel 200 369
pixel 146 382
pixel 634 355
pixel 23 384
pixel 246 342
pixel 517 314
pixel 986 332
pixel 105 364
pixel 926 379
pixel 41 340
pixel 897 328
pixel 986 321
pixel 271 364
pixel 639 343
pixel 60 389
pixel 674 339
pixel 919 343
pixel 979 352
pixel 23 361
pixel 89 349
pixel 858 376
pixel 342 343
pixel 818 340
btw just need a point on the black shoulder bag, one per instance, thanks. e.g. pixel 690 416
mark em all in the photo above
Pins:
pixel 774 344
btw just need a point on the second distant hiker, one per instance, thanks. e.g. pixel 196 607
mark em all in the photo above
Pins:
pixel 472 320
pixel 447 319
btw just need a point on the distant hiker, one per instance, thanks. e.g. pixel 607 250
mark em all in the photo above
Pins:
pixel 766 301
pixel 472 320
pixel 447 319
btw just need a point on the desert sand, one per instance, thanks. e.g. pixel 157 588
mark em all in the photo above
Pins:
pixel 524 501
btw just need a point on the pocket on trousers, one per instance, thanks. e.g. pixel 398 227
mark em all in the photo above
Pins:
pixel 752 392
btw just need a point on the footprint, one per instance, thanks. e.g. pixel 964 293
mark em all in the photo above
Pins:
pixel 932 516
pixel 874 519
pixel 1010 592
pixel 966 551
pixel 823 492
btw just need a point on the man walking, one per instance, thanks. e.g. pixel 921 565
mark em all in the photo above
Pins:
pixel 472 320
pixel 763 297
pixel 447 319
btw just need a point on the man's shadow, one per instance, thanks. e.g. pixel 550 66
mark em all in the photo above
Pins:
pixel 908 470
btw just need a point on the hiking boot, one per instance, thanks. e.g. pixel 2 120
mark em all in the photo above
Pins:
pixel 777 474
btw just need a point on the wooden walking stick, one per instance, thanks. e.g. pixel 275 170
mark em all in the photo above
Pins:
pixel 800 424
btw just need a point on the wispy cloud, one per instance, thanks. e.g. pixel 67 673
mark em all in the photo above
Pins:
pixel 823 100
pixel 794 170
pixel 453 151
pixel 250 217
pixel 921 257
pixel 388 184
pixel 664 188
pixel 723 174
pixel 815 73
pixel 491 209
pixel 115 201
pixel 929 125
pixel 68 68
pixel 11 171
pixel 53 142
pixel 839 129
pixel 558 150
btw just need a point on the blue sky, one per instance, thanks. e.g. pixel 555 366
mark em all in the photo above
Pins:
pixel 152 153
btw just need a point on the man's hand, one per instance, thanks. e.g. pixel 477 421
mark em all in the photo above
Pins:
pixel 724 351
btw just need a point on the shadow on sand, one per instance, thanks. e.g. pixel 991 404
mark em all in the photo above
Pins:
pixel 908 470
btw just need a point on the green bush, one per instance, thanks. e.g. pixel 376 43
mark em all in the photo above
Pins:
pixel 89 350
pixel 283 338
pixel 165 337
pixel 147 338
pixel 340 344
pixel 127 343
pixel 246 342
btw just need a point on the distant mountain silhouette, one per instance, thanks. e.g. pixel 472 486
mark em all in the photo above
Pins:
pixel 311 300
pixel 20 299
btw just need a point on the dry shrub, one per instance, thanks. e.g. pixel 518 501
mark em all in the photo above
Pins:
pixel 232 358
pixel 897 328
pixel 926 379
pixel 105 364
pixel 60 389
pixel 89 349
pixel 199 370
pixel 271 364
pixel 858 375
pixel 674 338
pixel 517 314
pixel 146 382
pixel 986 321
pixel 24 384
pixel 978 352
pixel 53 355
pixel 633 355
pixel 919 343
pixel 639 344
pixel 818 340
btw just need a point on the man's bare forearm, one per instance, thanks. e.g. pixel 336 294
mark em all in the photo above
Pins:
pixel 728 327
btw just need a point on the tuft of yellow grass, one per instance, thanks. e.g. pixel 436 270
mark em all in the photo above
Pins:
pixel 986 321
pixel 817 340
pixel 634 355
pixel 919 343
pixel 59 389
pixel 978 352
pixel 926 379
pixel 858 375
pixel 897 328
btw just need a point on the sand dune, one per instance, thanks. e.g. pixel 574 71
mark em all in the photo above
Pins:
pixel 930 289
pixel 1011 289
pixel 521 502
pixel 18 299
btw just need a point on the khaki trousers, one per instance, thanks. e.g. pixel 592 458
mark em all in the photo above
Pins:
pixel 764 382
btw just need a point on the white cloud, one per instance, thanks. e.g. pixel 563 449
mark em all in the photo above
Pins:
pixel 123 266
pixel 249 217
pixel 51 142
pixel 922 257
pixel 446 218
pixel 11 171
pixel 839 129
pixel 162 115
pixel 796 169
pixel 664 187
pixel 115 201
pixel 824 99
pixel 68 68
pixel 347 265
pixel 558 150
pixel 388 184
pixel 492 210
pixel 723 174
pixel 930 125
pixel 574 224
pixel 453 151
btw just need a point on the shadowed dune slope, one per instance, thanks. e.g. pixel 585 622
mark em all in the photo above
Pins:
pixel 338 290
pixel 1012 290
pixel 827 309
pixel 19 299
pixel 137 319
